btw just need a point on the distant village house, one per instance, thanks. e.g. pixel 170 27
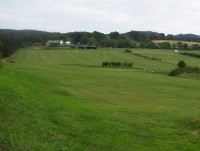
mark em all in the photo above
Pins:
pixel 61 42
pixel 68 42
pixel 36 44
pixel 53 43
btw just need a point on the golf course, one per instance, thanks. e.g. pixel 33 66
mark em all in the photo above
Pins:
pixel 63 99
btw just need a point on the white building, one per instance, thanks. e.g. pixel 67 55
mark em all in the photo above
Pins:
pixel 61 42
pixel 68 42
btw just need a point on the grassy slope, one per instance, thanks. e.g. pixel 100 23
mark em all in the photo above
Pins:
pixel 48 105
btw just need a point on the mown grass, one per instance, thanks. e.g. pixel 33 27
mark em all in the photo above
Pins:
pixel 47 102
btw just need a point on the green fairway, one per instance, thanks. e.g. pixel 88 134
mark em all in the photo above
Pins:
pixel 64 100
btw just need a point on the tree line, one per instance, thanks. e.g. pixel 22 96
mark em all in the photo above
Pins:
pixel 95 38
pixel 11 40
pixel 8 45
pixel 166 45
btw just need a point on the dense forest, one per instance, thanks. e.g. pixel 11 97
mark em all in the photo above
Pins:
pixel 11 40
pixel 8 45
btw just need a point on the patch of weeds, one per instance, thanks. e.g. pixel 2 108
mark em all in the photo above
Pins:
pixel 62 92
pixel 193 125
pixel 4 145
pixel 193 122
pixel 59 136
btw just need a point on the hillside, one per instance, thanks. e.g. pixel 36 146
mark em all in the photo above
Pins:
pixel 64 100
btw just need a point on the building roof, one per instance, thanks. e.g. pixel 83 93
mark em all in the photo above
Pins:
pixel 53 41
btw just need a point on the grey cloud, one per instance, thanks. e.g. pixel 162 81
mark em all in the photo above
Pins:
pixel 169 16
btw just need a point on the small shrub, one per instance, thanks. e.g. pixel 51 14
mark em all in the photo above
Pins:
pixel 130 64
pixel 194 70
pixel 12 61
pixel 146 57
pixel 191 54
pixel 175 72
pixel 105 63
pixel 187 70
pixel 117 64
pixel 128 50
pixel 181 64
pixel 5 145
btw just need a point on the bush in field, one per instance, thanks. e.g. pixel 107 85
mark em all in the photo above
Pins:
pixel 175 72
pixel 105 63
pixel 194 70
pixel 183 68
pixel 164 45
pixel 128 50
pixel 117 64
pixel 130 64
pixel 146 57
pixel 191 54
pixel 181 64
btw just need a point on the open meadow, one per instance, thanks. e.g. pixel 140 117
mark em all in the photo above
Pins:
pixel 63 99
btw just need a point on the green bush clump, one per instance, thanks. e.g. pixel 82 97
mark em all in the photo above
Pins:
pixel 191 54
pixel 183 68
pixel 105 63
pixel 117 64
pixel 194 70
pixel 146 57
pixel 175 72
pixel 181 64
pixel 128 50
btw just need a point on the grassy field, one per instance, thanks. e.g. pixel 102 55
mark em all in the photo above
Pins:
pixel 64 100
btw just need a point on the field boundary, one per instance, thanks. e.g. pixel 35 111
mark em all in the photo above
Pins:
pixel 176 41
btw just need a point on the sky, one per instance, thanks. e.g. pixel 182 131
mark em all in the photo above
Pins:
pixel 165 16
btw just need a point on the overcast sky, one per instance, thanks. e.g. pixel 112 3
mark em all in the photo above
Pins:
pixel 167 16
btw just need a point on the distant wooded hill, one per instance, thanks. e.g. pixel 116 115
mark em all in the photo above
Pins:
pixel 149 35
pixel 11 40
pixel 35 36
